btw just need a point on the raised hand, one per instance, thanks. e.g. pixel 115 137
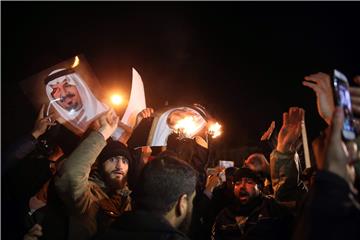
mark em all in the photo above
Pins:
pixel 329 149
pixel 290 131
pixel 146 113
pixel 34 233
pixel 42 123
pixel 212 182
pixel 108 123
pixel 321 84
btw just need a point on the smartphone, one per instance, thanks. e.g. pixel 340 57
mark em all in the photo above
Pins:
pixel 342 98
pixel 226 164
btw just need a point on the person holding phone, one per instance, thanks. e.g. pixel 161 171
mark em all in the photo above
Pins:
pixel 321 84
pixel 331 206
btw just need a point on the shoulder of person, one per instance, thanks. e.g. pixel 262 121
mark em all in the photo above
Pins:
pixel 276 208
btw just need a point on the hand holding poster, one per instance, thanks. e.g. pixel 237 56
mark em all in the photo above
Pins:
pixel 136 104
pixel 67 89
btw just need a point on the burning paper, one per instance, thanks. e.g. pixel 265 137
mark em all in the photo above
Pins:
pixel 71 90
pixel 215 130
pixel 186 126
pixel 183 120
pixel 135 105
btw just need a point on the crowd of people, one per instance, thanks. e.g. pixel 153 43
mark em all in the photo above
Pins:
pixel 93 187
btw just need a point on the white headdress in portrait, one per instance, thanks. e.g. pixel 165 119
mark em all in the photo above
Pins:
pixel 91 106
pixel 162 129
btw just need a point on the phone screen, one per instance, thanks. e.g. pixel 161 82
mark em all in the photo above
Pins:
pixel 226 164
pixel 342 98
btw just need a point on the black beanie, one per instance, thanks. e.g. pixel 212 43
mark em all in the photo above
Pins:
pixel 114 149
pixel 248 173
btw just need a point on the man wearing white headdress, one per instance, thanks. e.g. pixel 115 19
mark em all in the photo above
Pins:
pixel 73 99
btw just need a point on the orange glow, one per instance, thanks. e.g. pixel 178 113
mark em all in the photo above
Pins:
pixel 215 130
pixel 186 126
pixel 76 62
pixel 116 99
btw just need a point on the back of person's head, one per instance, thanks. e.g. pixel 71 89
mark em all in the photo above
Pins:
pixel 162 182
pixel 230 172
pixel 183 148
pixel 258 163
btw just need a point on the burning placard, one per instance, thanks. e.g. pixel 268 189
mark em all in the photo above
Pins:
pixel 186 121
pixel 71 90
pixel 136 104
pixel 73 93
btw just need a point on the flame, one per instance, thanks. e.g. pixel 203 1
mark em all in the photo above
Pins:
pixel 76 62
pixel 116 99
pixel 186 126
pixel 215 130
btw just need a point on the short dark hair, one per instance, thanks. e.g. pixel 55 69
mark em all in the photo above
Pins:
pixel 162 181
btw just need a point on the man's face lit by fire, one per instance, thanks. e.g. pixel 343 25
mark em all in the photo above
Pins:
pixel 70 97
pixel 245 190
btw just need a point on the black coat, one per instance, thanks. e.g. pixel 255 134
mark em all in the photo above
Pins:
pixel 266 219
pixel 142 225
pixel 329 211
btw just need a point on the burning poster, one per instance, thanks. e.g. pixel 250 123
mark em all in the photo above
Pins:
pixel 72 92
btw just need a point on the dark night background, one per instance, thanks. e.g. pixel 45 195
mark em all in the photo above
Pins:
pixel 243 61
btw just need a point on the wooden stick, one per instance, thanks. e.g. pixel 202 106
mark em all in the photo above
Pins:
pixel 305 145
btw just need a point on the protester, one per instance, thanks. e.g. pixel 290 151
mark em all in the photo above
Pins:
pixel 330 210
pixel 216 196
pixel 320 83
pixel 28 143
pixel 284 162
pixel 27 159
pixel 40 198
pixel 253 216
pixel 95 198
pixel 258 163
pixel 181 193
pixel 162 203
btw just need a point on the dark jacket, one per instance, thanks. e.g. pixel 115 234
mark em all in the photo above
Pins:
pixel 142 225
pixel 285 177
pixel 206 209
pixel 330 210
pixel 264 219
pixel 24 170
